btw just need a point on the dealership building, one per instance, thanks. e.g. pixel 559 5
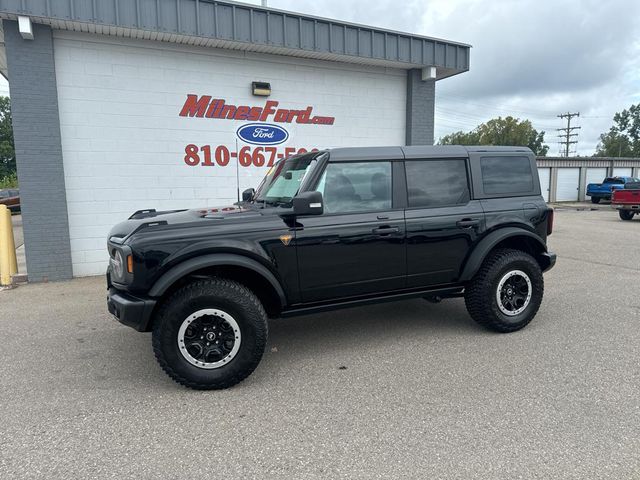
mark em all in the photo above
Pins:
pixel 123 105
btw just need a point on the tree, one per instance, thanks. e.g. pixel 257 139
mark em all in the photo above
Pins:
pixel 7 151
pixel 623 138
pixel 501 131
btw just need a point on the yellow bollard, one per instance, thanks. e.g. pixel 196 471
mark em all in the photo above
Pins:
pixel 8 260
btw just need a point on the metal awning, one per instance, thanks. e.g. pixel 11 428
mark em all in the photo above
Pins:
pixel 238 26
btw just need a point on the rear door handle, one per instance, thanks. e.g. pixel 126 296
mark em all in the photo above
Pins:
pixel 468 222
pixel 385 230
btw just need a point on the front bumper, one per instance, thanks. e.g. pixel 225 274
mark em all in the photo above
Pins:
pixel 130 310
pixel 549 260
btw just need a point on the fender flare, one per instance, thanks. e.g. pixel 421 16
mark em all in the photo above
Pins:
pixel 193 264
pixel 487 244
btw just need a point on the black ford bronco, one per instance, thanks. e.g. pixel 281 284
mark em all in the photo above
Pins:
pixel 327 230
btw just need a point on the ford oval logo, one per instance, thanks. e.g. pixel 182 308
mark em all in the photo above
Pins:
pixel 262 134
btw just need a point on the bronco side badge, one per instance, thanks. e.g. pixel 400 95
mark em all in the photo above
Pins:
pixel 286 239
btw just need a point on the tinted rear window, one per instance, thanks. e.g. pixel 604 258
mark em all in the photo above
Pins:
pixel 436 183
pixel 616 180
pixel 506 175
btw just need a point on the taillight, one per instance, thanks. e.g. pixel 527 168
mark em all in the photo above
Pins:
pixel 550 221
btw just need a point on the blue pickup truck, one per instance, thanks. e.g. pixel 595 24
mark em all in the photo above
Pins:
pixel 604 190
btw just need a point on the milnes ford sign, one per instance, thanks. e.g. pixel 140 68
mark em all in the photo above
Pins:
pixel 261 135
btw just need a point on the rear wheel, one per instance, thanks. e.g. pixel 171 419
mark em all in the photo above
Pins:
pixel 595 199
pixel 626 214
pixel 507 291
pixel 210 334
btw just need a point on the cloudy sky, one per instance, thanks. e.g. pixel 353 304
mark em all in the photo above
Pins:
pixel 530 58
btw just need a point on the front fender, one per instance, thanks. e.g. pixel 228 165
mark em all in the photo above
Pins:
pixel 489 242
pixel 197 263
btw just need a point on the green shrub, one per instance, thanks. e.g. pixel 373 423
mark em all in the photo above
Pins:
pixel 10 181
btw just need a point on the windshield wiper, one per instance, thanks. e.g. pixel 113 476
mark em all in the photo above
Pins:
pixel 272 203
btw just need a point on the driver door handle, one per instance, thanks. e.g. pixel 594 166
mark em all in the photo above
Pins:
pixel 468 222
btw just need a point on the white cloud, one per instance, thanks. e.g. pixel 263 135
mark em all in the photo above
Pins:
pixel 532 59
pixel 4 86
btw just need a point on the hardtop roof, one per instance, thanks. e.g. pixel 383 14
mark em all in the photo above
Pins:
pixel 417 152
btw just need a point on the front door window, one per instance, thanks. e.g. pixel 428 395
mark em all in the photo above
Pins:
pixel 356 187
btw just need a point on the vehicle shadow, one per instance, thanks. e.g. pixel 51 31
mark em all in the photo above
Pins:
pixel 371 326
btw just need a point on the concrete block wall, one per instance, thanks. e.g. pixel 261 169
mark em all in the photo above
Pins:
pixel 36 130
pixel 420 109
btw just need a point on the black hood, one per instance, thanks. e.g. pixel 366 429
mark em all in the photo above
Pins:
pixel 151 218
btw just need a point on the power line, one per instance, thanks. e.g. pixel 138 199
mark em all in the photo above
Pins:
pixel 568 134
pixel 511 108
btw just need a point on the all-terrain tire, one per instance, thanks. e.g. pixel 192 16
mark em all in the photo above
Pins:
pixel 481 294
pixel 626 214
pixel 224 295
pixel 595 199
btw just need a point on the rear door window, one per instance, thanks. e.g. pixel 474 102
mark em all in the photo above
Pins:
pixel 437 183
pixel 506 175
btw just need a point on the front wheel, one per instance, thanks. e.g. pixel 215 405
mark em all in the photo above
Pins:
pixel 595 199
pixel 626 214
pixel 210 334
pixel 506 293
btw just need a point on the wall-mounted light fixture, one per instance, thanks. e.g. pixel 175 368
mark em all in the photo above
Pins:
pixel 429 73
pixel 261 89
pixel 25 28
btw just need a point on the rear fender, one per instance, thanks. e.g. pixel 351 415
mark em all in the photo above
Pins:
pixel 492 240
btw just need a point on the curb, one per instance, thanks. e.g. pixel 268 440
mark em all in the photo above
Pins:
pixel 18 279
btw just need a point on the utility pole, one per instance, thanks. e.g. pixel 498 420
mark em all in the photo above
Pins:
pixel 568 134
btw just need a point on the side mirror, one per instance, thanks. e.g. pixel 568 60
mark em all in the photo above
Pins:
pixel 248 194
pixel 308 203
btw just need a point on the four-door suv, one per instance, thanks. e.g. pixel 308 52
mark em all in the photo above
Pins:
pixel 327 230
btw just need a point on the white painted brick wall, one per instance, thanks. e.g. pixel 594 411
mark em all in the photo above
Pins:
pixel 123 141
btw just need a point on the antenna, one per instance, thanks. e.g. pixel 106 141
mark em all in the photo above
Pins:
pixel 264 3
pixel 238 168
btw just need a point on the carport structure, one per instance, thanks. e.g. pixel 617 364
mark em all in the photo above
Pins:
pixel 565 179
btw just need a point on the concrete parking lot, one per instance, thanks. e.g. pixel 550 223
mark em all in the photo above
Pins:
pixel 424 392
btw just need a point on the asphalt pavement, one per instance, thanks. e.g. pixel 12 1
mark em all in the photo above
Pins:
pixel 399 390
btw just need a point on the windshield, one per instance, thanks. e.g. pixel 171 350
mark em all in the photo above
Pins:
pixel 283 180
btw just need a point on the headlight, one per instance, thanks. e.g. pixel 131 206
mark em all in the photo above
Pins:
pixel 117 264
pixel 120 263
